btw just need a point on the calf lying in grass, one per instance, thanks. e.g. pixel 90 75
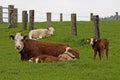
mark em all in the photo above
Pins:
pixel 49 59
pixel 44 59
pixel 41 33
pixel 99 45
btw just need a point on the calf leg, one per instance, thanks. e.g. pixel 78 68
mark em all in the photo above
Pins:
pixel 102 54
pixel 99 54
pixel 40 37
pixel 95 53
pixel 107 53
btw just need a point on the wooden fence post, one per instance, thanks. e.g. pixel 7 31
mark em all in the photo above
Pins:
pixel 61 17
pixel 1 14
pixel 31 19
pixel 74 26
pixel 96 25
pixel 24 20
pixel 10 11
pixel 14 18
pixel 91 16
pixel 49 23
pixel 116 16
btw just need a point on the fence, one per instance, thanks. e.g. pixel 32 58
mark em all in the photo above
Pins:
pixel 12 16
pixel 3 18
pixel 94 18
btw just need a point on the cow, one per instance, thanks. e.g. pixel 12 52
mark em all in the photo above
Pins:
pixel 98 45
pixel 44 59
pixel 29 48
pixel 47 58
pixel 41 33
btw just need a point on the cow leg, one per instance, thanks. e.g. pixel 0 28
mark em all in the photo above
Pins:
pixel 24 57
pixel 99 53
pixel 36 60
pixel 65 56
pixel 107 53
pixel 40 37
pixel 72 52
pixel 95 53
pixel 102 54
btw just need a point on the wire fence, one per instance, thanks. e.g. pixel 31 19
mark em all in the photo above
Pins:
pixel 40 16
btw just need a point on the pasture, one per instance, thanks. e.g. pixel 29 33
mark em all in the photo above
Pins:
pixel 12 68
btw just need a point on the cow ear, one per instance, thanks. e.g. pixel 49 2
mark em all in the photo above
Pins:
pixel 88 40
pixel 96 40
pixel 12 37
pixel 47 28
pixel 25 37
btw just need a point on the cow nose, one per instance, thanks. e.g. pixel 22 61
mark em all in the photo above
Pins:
pixel 17 47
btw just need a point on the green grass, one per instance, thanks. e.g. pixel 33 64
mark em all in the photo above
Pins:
pixel 12 68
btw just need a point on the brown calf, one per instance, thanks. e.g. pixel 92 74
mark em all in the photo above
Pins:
pixel 99 45
pixel 44 59
pixel 47 58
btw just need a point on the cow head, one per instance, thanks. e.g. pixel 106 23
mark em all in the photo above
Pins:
pixel 92 40
pixel 18 38
pixel 51 30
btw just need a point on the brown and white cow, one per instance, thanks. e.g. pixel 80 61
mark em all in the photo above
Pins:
pixel 47 58
pixel 44 59
pixel 31 48
pixel 99 45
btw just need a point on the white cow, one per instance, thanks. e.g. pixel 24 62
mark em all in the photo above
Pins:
pixel 41 33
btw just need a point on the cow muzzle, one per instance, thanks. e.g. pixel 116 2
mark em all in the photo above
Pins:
pixel 18 47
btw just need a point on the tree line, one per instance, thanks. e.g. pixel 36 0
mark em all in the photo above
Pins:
pixel 112 17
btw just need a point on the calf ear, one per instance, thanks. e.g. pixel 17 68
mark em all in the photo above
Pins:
pixel 88 40
pixel 25 37
pixel 96 40
pixel 47 28
pixel 12 37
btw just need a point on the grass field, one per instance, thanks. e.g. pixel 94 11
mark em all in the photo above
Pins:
pixel 12 68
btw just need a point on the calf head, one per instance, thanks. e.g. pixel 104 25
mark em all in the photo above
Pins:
pixel 18 38
pixel 92 40
pixel 51 30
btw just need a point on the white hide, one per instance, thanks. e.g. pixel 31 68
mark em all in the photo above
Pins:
pixel 66 55
pixel 41 33
pixel 91 41
pixel 18 41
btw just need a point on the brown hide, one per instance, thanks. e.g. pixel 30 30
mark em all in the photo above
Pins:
pixel 99 46
pixel 45 59
pixel 33 48
pixel 52 59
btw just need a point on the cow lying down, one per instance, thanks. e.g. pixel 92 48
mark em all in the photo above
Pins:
pixel 41 33
pixel 46 58
pixel 49 59
pixel 29 48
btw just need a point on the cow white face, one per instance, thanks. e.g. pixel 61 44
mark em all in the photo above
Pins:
pixel 51 30
pixel 92 41
pixel 18 41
